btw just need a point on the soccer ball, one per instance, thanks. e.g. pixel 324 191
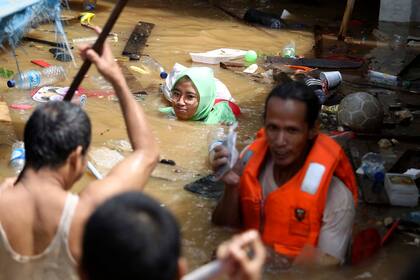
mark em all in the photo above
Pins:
pixel 361 112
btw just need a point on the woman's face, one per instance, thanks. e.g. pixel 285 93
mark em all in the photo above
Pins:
pixel 185 100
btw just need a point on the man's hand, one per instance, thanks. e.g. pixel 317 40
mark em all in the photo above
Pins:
pixel 220 158
pixel 105 63
pixel 243 256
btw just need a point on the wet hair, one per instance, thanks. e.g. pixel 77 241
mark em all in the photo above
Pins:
pixel 129 237
pixel 300 92
pixel 53 131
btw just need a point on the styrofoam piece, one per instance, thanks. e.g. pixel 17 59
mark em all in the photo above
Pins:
pixel 217 56
pixel 251 69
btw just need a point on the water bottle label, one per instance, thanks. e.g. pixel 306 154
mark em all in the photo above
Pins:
pixel 18 153
pixel 34 78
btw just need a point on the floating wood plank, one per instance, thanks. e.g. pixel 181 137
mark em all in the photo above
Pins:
pixel 7 131
pixel 138 38
pixel 391 62
pixel 316 62
pixel 133 84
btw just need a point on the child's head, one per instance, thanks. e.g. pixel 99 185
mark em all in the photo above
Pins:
pixel 131 236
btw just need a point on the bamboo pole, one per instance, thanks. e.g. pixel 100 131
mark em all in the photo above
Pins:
pixel 346 18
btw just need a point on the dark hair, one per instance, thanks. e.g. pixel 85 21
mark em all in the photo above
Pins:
pixel 53 131
pixel 129 237
pixel 297 91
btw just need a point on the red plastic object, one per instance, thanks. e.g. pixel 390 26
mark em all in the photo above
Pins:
pixel 41 63
pixel 21 106
pixel 365 244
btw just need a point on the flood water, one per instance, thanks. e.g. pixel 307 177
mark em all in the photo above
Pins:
pixel 183 27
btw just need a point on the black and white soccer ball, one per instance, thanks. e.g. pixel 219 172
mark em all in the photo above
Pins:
pixel 361 112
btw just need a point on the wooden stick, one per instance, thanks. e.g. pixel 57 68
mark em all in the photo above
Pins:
pixel 346 18
pixel 96 47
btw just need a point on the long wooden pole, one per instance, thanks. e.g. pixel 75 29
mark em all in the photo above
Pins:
pixel 96 47
pixel 346 18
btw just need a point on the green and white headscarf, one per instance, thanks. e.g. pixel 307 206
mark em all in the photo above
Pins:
pixel 204 81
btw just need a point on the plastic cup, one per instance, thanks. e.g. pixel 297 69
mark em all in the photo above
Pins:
pixel 332 78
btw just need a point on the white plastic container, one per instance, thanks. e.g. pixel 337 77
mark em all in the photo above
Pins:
pixel 401 190
pixel 217 56
pixel 333 78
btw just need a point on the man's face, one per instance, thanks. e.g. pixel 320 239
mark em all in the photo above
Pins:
pixel 287 130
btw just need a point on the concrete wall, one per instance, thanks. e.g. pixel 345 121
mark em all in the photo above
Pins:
pixel 400 10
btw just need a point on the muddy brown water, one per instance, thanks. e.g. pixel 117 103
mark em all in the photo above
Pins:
pixel 183 27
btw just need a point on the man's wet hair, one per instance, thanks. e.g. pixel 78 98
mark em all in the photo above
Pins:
pixel 131 236
pixel 53 131
pixel 300 92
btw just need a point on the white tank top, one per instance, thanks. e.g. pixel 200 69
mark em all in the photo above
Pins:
pixel 54 263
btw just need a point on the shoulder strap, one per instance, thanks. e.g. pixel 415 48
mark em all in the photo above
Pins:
pixel 68 213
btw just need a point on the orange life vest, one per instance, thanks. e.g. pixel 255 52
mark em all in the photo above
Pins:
pixel 291 216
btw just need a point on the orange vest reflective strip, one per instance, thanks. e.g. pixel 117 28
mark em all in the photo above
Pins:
pixel 291 216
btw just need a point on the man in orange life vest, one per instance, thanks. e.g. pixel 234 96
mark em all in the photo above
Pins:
pixel 293 184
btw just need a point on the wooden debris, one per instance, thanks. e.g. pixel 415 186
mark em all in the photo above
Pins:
pixel 138 39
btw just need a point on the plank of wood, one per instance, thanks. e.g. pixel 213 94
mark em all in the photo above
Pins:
pixel 7 130
pixel 346 19
pixel 316 62
pixel 133 84
pixel 4 113
pixel 138 38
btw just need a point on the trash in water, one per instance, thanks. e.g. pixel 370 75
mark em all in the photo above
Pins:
pixel 361 112
pixel 251 56
pixel 267 19
pixel 401 190
pixel 289 51
pixel 251 69
pixel 217 56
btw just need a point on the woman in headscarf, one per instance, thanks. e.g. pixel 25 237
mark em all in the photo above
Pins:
pixel 195 96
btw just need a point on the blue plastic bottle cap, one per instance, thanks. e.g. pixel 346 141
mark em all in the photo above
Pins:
pixel 11 83
pixel 163 75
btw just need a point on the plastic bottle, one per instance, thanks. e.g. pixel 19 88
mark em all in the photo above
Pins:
pixel 17 158
pixel 289 50
pixel 89 5
pixel 267 19
pixel 34 78
pixel 216 137
pixel 373 165
pixel 154 66
pixel 386 79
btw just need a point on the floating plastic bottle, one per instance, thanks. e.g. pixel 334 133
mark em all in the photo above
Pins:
pixel 154 66
pixel 34 78
pixel 289 50
pixel 17 158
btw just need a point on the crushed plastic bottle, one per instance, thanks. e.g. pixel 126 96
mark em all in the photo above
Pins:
pixel 34 78
pixel 17 158
pixel 216 137
pixel 154 66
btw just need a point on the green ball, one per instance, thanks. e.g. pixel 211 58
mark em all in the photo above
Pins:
pixel 251 56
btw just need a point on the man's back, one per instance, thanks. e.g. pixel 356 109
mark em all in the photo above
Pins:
pixel 37 246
